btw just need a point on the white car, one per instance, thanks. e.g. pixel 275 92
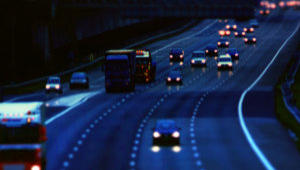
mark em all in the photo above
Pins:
pixel 54 85
pixel 224 62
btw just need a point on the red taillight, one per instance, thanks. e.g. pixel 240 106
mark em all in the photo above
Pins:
pixel 29 112
pixel 43 133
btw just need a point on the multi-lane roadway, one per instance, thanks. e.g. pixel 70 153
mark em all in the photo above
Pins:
pixel 95 130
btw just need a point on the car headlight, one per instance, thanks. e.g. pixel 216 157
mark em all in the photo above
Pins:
pixel 236 54
pixel 215 50
pixel 229 64
pixel 219 64
pixel 234 27
pixel 57 86
pixel 176 134
pixel 171 56
pixel 227 43
pixel 251 29
pixel 169 79
pixel 227 32
pixel 193 61
pixel 219 43
pixel 178 79
pixel 203 61
pixel 246 39
pixel 235 33
pixel 227 26
pixel 243 33
pixel 47 86
pixel 156 134
pixel 206 51
pixel 254 39
pixel 245 29
pixel 181 55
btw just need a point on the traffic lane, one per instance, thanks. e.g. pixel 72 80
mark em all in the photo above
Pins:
pixel 96 75
pixel 66 130
pixel 108 144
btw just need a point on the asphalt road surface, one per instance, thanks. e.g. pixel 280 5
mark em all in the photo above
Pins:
pixel 90 130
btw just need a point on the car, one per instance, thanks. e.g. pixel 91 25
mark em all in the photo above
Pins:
pixel 254 23
pixel 22 122
pixel 211 50
pixel 198 58
pixel 223 42
pixel 231 26
pixel 224 62
pixel 224 32
pixel 53 85
pixel 233 52
pixel 239 33
pixel 264 11
pixel 250 39
pixel 166 132
pixel 248 29
pixel 176 54
pixel 79 80
pixel 174 77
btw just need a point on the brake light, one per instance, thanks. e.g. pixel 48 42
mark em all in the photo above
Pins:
pixel 219 43
pixel 227 26
pixel 221 32
pixel 227 32
pixel 29 112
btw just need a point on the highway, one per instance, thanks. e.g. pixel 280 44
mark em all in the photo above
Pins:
pixel 92 130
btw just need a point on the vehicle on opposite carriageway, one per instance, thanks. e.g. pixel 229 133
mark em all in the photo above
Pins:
pixel 54 85
pixel 198 58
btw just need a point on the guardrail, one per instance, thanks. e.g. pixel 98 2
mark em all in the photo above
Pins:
pixel 287 94
pixel 99 59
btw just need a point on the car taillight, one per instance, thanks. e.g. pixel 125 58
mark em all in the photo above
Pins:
pixel 251 29
pixel 171 56
pixel 234 27
pixel 203 61
pixel 169 79
pixel 227 43
pixel 216 51
pixel 227 32
pixel 229 64
pixel 206 51
pixel 219 64
pixel 36 167
pixel 43 133
pixel 221 32
pixel 219 43
pixel 261 12
pixel 227 26
pixel 254 39
pixel 236 33
pixel 193 61
pixel 246 39
pixel 245 29
pixel 29 112
pixel 181 55
pixel 236 54
pixel 243 33
pixel 47 86
pixel 178 79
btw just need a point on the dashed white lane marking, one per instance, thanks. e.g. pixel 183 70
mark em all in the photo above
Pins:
pixel 267 164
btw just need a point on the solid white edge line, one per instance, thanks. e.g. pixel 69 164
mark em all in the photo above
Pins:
pixel 267 164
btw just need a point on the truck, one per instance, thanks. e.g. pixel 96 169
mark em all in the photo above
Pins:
pixel 120 70
pixel 22 156
pixel 22 136
pixel 145 66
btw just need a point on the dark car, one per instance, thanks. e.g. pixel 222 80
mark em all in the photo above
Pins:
pixel 223 42
pixel 211 50
pixel 198 58
pixel 248 29
pixel 231 26
pixel 250 39
pixel 264 11
pixel 176 54
pixel 233 52
pixel 79 80
pixel 174 77
pixel 239 33
pixel 53 85
pixel 166 133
